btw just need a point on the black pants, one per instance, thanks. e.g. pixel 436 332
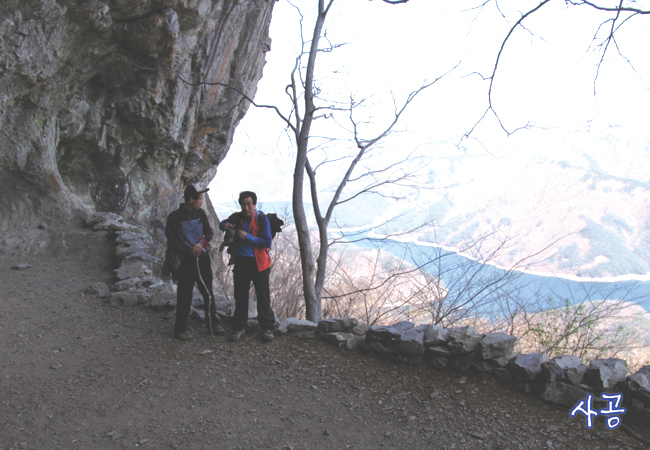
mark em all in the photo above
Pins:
pixel 244 272
pixel 187 277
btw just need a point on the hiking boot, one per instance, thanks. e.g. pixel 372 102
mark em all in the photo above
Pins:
pixel 236 335
pixel 184 336
pixel 267 336
pixel 218 330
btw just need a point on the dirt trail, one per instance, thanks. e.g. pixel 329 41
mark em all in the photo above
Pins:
pixel 76 373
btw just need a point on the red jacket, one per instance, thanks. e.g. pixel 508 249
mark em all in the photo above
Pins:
pixel 262 257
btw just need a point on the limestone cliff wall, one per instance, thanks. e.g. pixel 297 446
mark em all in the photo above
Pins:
pixel 104 106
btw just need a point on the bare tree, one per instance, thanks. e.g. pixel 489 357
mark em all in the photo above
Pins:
pixel 308 91
pixel 617 14
pixel 373 286
pixel 594 322
pixel 435 286
pixel 286 283
pixel 303 93
pixel 308 105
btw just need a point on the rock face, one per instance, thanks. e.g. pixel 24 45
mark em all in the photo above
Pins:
pixel 114 105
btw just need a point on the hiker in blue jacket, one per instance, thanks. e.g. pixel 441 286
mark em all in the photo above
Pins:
pixel 188 236
pixel 252 263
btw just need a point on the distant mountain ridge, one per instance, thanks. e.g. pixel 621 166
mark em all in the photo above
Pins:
pixel 599 219
pixel 587 196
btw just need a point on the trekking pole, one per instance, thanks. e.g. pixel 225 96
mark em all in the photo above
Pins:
pixel 209 312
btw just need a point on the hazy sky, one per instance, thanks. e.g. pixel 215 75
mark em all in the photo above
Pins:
pixel 545 77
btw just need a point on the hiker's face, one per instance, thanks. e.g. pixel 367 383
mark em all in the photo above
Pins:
pixel 196 204
pixel 247 207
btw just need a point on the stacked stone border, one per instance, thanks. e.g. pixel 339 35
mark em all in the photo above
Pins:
pixel 562 380
pixel 140 254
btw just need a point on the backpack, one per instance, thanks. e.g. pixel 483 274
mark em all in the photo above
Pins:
pixel 229 239
pixel 276 223
pixel 172 264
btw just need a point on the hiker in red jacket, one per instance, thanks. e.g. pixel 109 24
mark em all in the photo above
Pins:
pixel 251 263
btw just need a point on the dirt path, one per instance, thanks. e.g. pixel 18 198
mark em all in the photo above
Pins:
pixel 76 373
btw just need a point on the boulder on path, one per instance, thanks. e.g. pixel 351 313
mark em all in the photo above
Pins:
pixel 493 345
pixel 133 270
pixel 551 371
pixel 128 283
pixel 163 297
pixel 355 342
pixel 637 386
pixel 463 339
pixel 100 289
pixel 565 367
pixel 436 336
pixel 412 340
pixel 605 374
pixel 293 324
pixel 331 325
pixel 386 334
pixel 526 368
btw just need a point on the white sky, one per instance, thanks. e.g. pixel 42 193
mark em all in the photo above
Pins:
pixel 546 77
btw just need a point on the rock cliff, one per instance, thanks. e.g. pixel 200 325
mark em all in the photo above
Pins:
pixel 114 105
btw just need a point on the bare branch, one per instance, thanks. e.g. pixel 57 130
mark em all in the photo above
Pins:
pixel 243 97
pixel 617 9
pixel 615 23
pixel 496 64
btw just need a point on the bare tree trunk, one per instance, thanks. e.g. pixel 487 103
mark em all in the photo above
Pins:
pixel 312 301
pixel 321 267
pixel 312 304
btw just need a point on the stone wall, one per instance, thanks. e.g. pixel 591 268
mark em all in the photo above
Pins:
pixel 103 106
pixel 563 380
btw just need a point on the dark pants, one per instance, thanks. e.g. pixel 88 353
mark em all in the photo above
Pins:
pixel 187 277
pixel 244 272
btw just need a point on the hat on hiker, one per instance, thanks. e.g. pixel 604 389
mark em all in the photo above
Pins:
pixel 193 190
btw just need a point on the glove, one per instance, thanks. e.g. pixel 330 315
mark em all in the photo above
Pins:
pixel 205 244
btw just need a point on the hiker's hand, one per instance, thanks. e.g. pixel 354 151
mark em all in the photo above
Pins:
pixel 197 249
pixel 241 234
pixel 229 226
